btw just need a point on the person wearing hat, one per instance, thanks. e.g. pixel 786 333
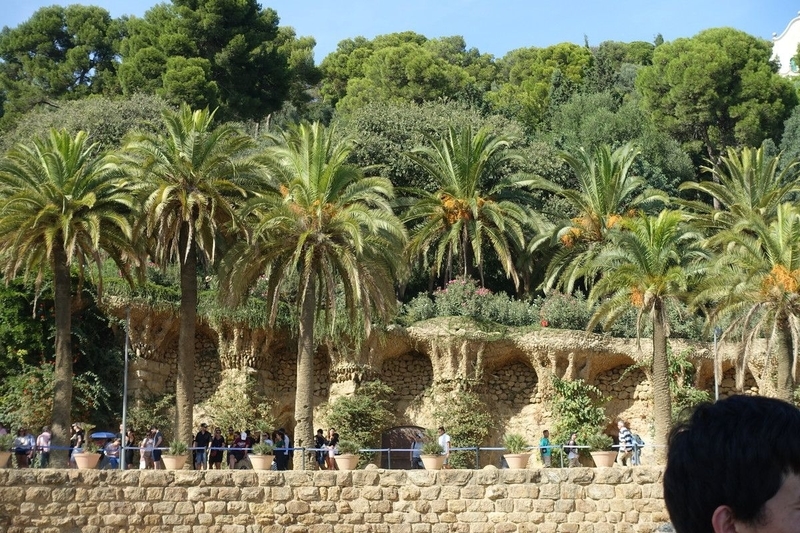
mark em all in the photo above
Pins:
pixel 200 447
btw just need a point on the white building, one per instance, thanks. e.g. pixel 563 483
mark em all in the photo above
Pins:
pixel 784 47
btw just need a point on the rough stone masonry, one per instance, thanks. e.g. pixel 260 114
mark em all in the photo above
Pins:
pixel 591 500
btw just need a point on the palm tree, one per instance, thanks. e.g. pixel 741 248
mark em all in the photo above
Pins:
pixel 647 262
pixel 189 181
pixel 607 191
pixel 472 204
pixel 323 230
pixel 746 184
pixel 60 205
pixel 755 284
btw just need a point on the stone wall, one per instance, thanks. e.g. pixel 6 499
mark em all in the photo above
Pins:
pixel 591 500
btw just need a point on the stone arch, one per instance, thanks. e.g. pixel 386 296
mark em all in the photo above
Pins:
pixel 626 386
pixel 410 375
pixel 513 394
pixel 727 383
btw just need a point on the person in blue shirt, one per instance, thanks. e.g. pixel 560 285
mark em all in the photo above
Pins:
pixel 544 448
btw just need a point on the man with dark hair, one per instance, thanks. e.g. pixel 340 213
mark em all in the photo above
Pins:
pixel 734 467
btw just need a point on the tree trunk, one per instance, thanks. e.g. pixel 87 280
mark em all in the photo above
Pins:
pixel 184 382
pixel 784 355
pixel 304 394
pixel 62 383
pixel 662 401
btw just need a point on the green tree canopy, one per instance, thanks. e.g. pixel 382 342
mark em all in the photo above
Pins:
pixel 59 53
pixel 526 79
pixel 105 120
pixel 207 52
pixel 717 89
pixel 404 67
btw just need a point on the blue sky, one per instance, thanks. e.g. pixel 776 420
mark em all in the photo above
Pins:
pixel 497 26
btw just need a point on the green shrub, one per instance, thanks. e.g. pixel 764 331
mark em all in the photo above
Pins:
pixel 577 408
pixel 597 442
pixel 349 446
pixel 515 443
pixel 178 447
pixel 6 440
pixel 418 309
pixel 430 443
pixel 262 448
pixel 468 422
pixel 150 411
pixel 362 417
pixel 565 311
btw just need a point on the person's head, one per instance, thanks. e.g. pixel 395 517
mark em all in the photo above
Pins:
pixel 320 432
pixel 203 427
pixel 21 431
pixel 546 434
pixel 729 467
pixel 441 430
pixel 230 430
pixel 153 429
pixel 217 431
pixel 46 429
pixel 573 437
pixel 620 424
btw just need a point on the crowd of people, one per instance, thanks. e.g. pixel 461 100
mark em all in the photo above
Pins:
pixel 210 450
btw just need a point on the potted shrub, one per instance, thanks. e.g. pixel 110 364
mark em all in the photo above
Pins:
pixel 600 449
pixel 517 448
pixel 6 441
pixel 348 455
pixel 88 456
pixel 431 452
pixel 176 456
pixel 262 456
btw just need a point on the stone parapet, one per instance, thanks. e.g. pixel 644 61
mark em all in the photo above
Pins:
pixel 592 500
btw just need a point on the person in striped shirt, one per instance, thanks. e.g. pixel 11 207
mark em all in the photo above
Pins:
pixel 625 443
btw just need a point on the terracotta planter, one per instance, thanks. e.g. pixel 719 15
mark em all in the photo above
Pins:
pixel 174 462
pixel 604 459
pixel 86 460
pixel 347 461
pixel 517 461
pixel 262 462
pixel 432 462
pixel 5 457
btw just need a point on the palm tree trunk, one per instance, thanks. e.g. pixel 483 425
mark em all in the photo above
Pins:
pixel 304 394
pixel 662 401
pixel 62 382
pixel 784 355
pixel 184 382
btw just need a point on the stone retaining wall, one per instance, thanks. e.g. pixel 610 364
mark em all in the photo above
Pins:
pixel 592 500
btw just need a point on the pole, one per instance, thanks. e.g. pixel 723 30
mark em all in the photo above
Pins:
pixel 717 332
pixel 124 435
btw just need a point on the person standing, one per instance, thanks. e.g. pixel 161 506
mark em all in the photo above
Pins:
pixel 201 443
pixel 43 447
pixel 416 451
pixel 625 443
pixel 444 442
pixel 158 440
pixel 332 445
pixel 545 449
pixel 24 448
pixel 75 442
pixel 130 448
pixel 216 449
pixel 572 451
pixel 281 457
pixel 319 444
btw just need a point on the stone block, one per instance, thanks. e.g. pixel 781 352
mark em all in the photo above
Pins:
pixel 471 492
pixel 600 492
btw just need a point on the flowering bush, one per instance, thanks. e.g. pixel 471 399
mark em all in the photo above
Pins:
pixel 565 311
